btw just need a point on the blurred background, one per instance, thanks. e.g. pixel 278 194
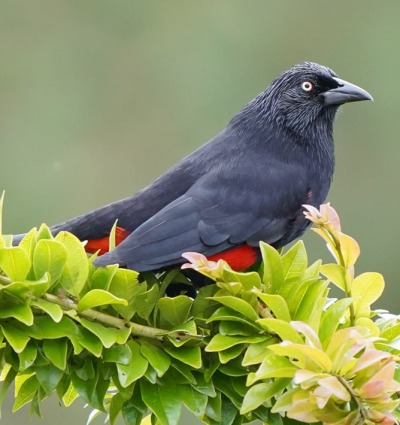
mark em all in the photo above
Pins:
pixel 98 98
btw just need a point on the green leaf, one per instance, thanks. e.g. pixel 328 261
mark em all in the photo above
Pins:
pixel 283 329
pixel 174 311
pixel 44 233
pixel 53 310
pixel 48 376
pixel 45 328
pixel 156 357
pixel 15 263
pixel 350 249
pixel 56 351
pixel 115 409
pixel 91 342
pixel 255 353
pixel 237 328
pixel 134 371
pixel 310 307
pixel 16 338
pixel 98 297
pixel 28 242
pixel 261 393
pixel 221 342
pixel 227 314
pixel 331 318
pixel 294 261
pixel 118 354
pixel 202 385
pixel 102 277
pixel 124 285
pixel 49 256
pixel 76 270
pixel 213 409
pixel 188 355
pixel 26 392
pixel 131 413
pixel 162 400
pixel 272 264
pixel 91 390
pixel 231 353
pixel 17 290
pixel 249 280
pixel 366 289
pixel 27 357
pixel 145 302
pixel 305 357
pixel 277 304
pixel 224 384
pixel 70 395
pixel 312 272
pixel 238 305
pixel 273 366
pixel 193 400
pixel 337 274
pixel 39 287
pixel 107 335
pixel 7 378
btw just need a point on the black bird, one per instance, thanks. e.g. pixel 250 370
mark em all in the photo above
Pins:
pixel 246 185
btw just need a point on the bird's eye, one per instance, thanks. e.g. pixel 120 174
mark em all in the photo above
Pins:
pixel 307 86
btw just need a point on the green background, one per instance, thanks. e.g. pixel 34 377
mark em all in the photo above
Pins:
pixel 97 98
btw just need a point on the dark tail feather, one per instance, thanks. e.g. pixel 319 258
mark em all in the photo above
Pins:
pixel 93 225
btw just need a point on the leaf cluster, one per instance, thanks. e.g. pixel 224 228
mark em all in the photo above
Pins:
pixel 266 344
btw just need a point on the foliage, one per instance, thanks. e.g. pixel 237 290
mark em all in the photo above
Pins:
pixel 266 344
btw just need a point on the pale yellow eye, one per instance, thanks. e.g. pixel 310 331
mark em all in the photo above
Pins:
pixel 307 86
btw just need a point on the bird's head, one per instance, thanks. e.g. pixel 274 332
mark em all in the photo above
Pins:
pixel 308 94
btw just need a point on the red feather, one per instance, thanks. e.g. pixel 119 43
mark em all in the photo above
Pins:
pixel 102 244
pixel 239 258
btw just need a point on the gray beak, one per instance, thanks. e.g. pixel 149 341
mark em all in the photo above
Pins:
pixel 346 92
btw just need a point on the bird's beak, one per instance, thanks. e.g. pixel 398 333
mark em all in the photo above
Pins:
pixel 346 92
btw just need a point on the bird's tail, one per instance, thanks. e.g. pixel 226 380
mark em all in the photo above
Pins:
pixel 95 225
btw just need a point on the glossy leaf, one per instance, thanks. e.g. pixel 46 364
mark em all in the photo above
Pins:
pixel 366 289
pixel 53 310
pixel 337 274
pixel 174 311
pixel 294 261
pixel 27 357
pixel 136 369
pixel 76 270
pixel 188 355
pixel 238 305
pixel 56 351
pixel 332 317
pixel 273 275
pixel 283 329
pixel 261 393
pixel 157 357
pixel 98 297
pixel 48 376
pixel 15 263
pixel 304 355
pixel 16 338
pixel 277 305
pixel 26 392
pixel 49 256
pixel 162 400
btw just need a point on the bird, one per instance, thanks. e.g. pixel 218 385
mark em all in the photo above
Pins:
pixel 247 184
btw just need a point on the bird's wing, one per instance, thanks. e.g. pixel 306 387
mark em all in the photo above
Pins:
pixel 222 209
